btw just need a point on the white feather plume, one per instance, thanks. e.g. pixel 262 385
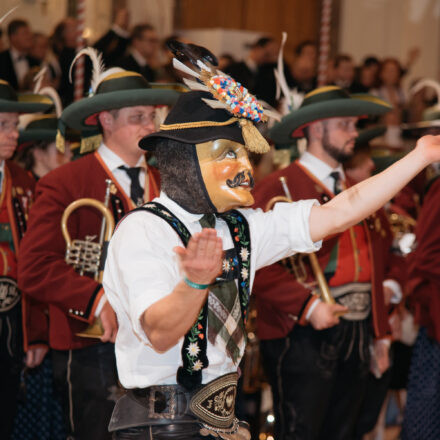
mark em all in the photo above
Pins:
pixel 38 79
pixel 180 66
pixel 203 66
pixel 53 94
pixel 109 72
pixel 97 66
pixel 292 98
pixel 8 13
pixel 279 71
pixel 194 85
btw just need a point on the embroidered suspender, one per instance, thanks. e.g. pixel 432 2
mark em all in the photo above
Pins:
pixel 194 360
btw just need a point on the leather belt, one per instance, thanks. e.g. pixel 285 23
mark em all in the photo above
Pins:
pixel 210 406
pixel 164 402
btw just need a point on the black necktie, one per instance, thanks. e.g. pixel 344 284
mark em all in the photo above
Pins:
pixel 136 191
pixel 337 187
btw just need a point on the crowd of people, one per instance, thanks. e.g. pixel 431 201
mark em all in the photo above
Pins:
pixel 172 306
pixel 140 49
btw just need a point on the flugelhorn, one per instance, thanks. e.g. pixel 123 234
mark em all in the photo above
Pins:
pixel 300 272
pixel 88 256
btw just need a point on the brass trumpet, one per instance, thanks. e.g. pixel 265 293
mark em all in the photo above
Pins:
pixel 87 256
pixel 299 269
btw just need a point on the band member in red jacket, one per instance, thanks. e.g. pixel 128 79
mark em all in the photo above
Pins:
pixel 317 363
pixel 16 195
pixel 122 106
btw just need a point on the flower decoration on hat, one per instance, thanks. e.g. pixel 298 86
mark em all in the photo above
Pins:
pixel 228 94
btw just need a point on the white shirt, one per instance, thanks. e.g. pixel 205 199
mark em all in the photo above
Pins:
pixel 113 162
pixel 21 64
pixel 321 170
pixel 138 57
pixel 141 268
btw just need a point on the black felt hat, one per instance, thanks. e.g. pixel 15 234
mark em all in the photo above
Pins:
pixel 209 123
pixel 365 136
pixel 43 128
pixel 11 102
pixel 323 103
pixel 117 90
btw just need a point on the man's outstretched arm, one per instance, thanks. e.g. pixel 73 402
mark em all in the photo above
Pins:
pixel 354 204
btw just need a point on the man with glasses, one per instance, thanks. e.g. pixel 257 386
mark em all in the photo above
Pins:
pixel 119 113
pixel 317 362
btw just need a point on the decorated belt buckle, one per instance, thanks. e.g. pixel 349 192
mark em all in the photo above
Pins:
pixel 9 294
pixel 167 395
pixel 214 404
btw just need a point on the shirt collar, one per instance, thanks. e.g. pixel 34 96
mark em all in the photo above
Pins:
pixel 113 161
pixel 138 57
pixel 252 65
pixel 15 54
pixel 319 168
pixel 178 211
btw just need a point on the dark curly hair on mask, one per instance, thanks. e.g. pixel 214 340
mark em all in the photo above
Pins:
pixel 180 176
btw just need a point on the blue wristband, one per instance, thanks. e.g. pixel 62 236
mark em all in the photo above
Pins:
pixel 195 285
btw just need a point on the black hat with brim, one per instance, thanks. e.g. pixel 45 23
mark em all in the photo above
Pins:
pixel 11 102
pixel 44 128
pixel 192 121
pixel 365 136
pixel 417 129
pixel 324 103
pixel 118 90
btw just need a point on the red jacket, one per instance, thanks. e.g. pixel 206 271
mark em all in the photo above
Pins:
pixel 18 195
pixel 281 300
pixel 424 264
pixel 43 273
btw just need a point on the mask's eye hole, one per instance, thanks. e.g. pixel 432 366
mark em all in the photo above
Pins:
pixel 231 154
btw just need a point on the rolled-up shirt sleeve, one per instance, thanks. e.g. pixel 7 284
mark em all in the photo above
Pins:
pixel 140 269
pixel 281 232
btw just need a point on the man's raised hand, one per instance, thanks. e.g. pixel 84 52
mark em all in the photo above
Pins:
pixel 201 260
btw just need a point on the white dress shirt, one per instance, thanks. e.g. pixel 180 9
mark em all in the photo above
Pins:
pixel 142 268
pixel 321 170
pixel 139 58
pixel 21 64
pixel 113 162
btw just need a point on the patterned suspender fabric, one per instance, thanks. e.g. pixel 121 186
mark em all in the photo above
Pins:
pixel 194 357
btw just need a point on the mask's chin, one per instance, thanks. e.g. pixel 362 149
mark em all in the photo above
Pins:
pixel 231 199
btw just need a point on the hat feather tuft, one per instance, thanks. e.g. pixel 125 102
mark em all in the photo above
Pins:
pixel 97 66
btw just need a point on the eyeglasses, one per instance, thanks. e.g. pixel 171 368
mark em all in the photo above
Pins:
pixel 141 119
pixel 346 125
pixel 8 126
